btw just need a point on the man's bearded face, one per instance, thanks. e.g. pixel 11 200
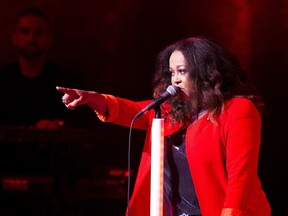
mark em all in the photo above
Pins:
pixel 32 37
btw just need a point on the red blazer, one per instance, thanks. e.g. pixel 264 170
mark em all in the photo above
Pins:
pixel 222 154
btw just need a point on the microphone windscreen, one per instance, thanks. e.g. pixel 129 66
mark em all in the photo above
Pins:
pixel 173 90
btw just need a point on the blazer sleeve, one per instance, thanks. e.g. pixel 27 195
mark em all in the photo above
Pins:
pixel 122 111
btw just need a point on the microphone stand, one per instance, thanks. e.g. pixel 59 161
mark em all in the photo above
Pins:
pixel 157 165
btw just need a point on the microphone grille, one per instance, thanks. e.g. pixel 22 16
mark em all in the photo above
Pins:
pixel 173 90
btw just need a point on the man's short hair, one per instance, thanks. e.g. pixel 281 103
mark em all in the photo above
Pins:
pixel 35 12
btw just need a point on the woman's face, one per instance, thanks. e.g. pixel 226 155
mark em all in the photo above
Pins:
pixel 179 72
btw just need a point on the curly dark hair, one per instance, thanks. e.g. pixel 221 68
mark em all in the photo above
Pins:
pixel 215 73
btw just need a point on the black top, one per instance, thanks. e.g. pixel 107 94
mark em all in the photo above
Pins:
pixel 179 193
pixel 24 100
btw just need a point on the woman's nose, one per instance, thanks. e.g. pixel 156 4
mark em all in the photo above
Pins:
pixel 176 80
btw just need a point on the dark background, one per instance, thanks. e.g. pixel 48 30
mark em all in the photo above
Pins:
pixel 112 46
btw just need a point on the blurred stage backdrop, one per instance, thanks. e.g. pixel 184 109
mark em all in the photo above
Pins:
pixel 112 46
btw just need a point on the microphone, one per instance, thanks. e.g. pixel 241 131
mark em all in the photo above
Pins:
pixel 170 92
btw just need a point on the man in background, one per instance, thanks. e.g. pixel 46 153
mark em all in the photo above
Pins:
pixel 21 105
pixel 30 102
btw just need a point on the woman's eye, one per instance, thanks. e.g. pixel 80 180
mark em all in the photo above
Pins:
pixel 172 73
pixel 182 71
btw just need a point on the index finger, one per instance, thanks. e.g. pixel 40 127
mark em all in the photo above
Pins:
pixel 65 90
